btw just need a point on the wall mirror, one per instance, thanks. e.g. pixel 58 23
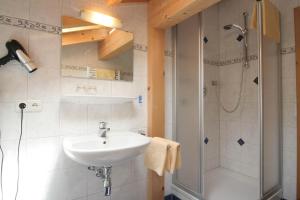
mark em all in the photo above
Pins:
pixel 95 47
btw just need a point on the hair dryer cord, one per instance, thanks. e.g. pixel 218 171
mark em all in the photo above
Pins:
pixel 5 59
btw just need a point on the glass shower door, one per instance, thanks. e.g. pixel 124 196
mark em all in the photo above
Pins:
pixel 270 101
pixel 187 104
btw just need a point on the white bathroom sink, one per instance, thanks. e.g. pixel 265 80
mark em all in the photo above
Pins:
pixel 93 151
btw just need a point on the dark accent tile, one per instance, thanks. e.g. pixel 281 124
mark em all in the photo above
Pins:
pixel 256 80
pixel 240 38
pixel 205 39
pixel 241 142
pixel 206 140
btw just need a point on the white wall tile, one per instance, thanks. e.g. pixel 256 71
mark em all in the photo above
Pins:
pixel 44 123
pixel 44 84
pixel 98 196
pixel 73 119
pixel 46 151
pixel 289 66
pixel 96 114
pixel 138 191
pixel 70 86
pixel 44 49
pixel 139 171
pixel 10 122
pixel 75 183
pixel 124 117
pixel 10 167
pixel 16 8
pixel 13 83
pixel 139 64
pixel 50 185
pixel 122 174
pixel 48 12
pixel 123 88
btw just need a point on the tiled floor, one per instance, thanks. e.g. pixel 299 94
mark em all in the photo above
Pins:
pixel 228 185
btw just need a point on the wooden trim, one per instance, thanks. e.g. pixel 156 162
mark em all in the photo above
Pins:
pixel 162 14
pixel 116 2
pixel 167 13
pixel 72 24
pixel 83 36
pixel 156 102
pixel 114 44
pixel 297 41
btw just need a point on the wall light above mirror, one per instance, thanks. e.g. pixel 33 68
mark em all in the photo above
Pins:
pixel 100 18
pixel 94 47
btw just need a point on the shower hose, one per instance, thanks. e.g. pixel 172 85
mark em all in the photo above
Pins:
pixel 236 106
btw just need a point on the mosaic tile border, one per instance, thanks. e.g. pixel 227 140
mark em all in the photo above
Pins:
pixel 288 50
pixel 140 47
pixel 38 26
pixel 283 51
pixel 33 25
pixel 229 61
pixel 144 48
pixel 169 53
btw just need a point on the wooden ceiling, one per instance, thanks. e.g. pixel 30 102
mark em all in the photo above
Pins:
pixel 115 2
pixel 166 13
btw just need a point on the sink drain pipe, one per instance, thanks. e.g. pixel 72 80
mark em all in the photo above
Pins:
pixel 105 174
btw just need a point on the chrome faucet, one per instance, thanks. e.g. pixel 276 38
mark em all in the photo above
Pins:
pixel 103 130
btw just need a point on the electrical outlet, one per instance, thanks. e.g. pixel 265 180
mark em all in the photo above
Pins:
pixel 31 105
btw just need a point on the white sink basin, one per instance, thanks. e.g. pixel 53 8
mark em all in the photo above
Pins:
pixel 93 151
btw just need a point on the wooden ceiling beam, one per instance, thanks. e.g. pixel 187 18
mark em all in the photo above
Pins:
pixel 114 44
pixel 79 37
pixel 116 2
pixel 167 13
pixel 72 24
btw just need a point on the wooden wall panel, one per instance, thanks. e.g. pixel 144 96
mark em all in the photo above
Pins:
pixel 156 102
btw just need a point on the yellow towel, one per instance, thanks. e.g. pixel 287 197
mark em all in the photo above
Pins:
pixel 156 156
pixel 174 155
pixel 271 20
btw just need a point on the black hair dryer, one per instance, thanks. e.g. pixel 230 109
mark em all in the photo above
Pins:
pixel 17 52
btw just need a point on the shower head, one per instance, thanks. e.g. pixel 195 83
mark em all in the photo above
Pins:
pixel 234 26
pixel 228 27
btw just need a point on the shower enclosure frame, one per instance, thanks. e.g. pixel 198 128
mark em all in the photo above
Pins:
pixel 276 191
pixel 200 82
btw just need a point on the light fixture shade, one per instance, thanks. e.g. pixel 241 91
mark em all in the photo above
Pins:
pixel 100 18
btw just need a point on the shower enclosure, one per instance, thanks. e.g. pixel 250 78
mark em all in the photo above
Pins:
pixel 226 102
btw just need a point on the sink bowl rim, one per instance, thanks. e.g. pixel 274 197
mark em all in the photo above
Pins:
pixel 67 144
